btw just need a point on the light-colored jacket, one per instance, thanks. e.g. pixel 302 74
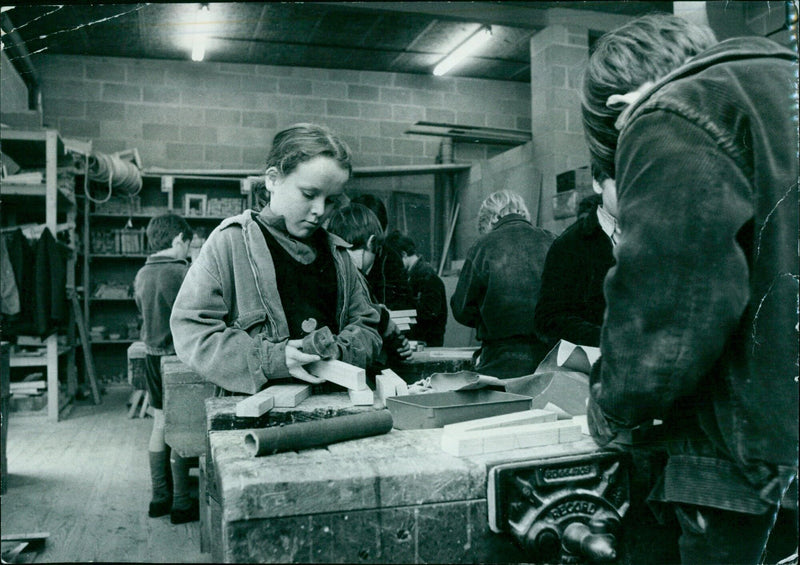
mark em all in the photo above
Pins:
pixel 228 322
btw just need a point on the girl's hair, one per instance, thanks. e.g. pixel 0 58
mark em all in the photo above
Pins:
pixel 645 49
pixel 499 204
pixel 355 223
pixel 302 142
pixel 161 230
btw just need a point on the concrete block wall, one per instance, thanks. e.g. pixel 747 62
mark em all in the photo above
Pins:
pixel 181 114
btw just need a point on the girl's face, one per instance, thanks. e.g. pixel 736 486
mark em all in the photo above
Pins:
pixel 306 195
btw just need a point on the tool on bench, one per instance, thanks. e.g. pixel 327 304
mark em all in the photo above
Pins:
pixel 320 342
pixel 268 441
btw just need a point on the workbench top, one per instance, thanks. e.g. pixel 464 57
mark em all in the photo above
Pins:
pixel 401 468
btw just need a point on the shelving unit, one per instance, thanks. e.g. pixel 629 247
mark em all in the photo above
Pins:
pixel 23 203
pixel 161 192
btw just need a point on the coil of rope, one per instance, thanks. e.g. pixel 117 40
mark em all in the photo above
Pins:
pixel 121 176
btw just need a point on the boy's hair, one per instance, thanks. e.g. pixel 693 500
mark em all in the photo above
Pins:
pixel 500 203
pixel 400 243
pixel 302 142
pixel 376 205
pixel 645 49
pixel 161 230
pixel 355 223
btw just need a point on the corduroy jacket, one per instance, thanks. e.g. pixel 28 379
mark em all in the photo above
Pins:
pixel 228 321
pixel 701 326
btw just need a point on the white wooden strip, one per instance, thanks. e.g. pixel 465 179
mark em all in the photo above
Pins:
pixel 400 384
pixel 492 440
pixel 289 395
pixel 534 416
pixel 363 397
pixel 340 373
pixel 402 314
pixel 256 405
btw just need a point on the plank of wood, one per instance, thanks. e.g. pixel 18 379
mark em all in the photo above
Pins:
pixel 404 320
pixel 340 373
pixel 145 404
pixel 365 397
pixel 26 385
pixel 402 314
pixel 461 443
pixel 38 536
pixel 534 416
pixel 135 398
pixel 403 327
pixel 289 395
pixel 256 405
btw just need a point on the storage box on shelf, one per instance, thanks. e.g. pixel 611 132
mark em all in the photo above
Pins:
pixel 116 247
pixel 43 192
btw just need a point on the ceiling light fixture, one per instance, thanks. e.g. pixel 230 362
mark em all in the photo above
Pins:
pixel 464 50
pixel 199 39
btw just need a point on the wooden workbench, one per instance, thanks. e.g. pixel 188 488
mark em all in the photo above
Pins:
pixel 391 498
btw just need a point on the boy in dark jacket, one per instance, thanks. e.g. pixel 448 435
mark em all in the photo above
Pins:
pixel 427 290
pixel 700 329
pixel 155 287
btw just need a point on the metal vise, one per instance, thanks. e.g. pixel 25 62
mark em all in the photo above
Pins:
pixel 562 510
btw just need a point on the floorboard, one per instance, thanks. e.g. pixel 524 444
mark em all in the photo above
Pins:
pixel 86 481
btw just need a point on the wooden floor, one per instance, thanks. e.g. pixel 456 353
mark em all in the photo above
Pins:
pixel 86 481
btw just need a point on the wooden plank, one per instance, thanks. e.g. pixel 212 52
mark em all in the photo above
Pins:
pixel 256 405
pixel 135 398
pixel 404 320
pixel 365 397
pixel 399 383
pixel 289 395
pixel 402 314
pixel 340 373
pixel 535 416
pixel 461 443
pixel 403 327
pixel 385 387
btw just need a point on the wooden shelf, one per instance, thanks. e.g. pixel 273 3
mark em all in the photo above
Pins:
pixel 35 190
pixel 118 256
pixel 100 215
pixel 38 360
pixel 28 147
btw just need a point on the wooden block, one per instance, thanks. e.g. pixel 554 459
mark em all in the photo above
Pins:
pixel 400 384
pixel 256 405
pixel 404 320
pixel 535 416
pixel 458 442
pixel 402 314
pixel 289 395
pixel 340 373
pixel 363 397
pixel 403 327
pixel 385 387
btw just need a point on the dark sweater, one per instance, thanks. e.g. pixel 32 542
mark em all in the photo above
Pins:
pixel 388 281
pixel 571 302
pixel 430 302
pixel 155 287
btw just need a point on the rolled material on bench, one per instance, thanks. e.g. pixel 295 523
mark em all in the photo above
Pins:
pixel 317 433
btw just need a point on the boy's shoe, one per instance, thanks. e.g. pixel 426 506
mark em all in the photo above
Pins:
pixel 159 508
pixel 182 516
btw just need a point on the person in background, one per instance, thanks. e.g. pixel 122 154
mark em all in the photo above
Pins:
pixel 155 287
pixel 571 302
pixel 701 323
pixel 388 279
pixel 358 226
pixel 427 290
pixel 264 281
pixel 498 287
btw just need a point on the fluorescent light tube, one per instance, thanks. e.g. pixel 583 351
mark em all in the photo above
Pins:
pixel 467 48
pixel 199 48
pixel 201 27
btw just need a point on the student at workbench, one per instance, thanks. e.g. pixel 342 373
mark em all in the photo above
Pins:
pixel 700 330
pixel 427 291
pixel 571 302
pixel 155 288
pixel 265 280
pixel 387 279
pixel 499 284
pixel 359 226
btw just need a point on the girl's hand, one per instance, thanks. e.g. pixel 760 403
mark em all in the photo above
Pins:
pixel 295 359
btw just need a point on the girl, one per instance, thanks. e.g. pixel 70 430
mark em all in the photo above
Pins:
pixel 263 281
